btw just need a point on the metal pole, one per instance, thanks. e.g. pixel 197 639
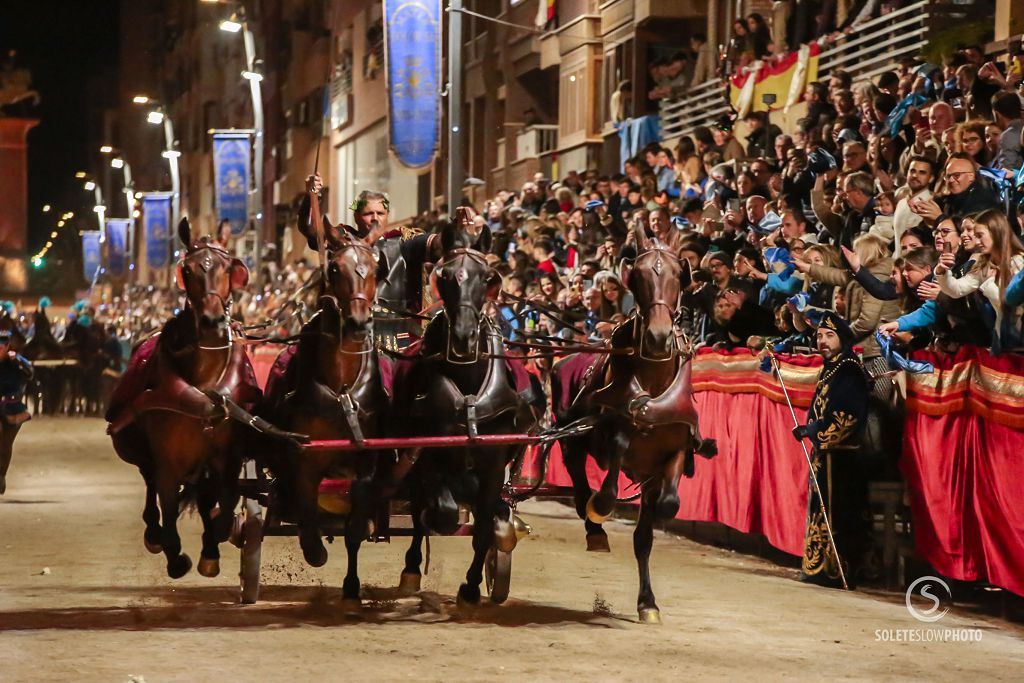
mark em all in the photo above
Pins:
pixel 257 114
pixel 130 201
pixel 172 160
pixel 455 167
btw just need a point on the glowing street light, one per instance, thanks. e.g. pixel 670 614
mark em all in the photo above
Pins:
pixel 99 208
pixel 170 154
pixel 140 99
pixel 106 149
pixel 252 76
pixel 117 162
pixel 53 235
pixel 155 117
pixel 230 25
pixel 90 186
pixel 46 208
pixel 80 174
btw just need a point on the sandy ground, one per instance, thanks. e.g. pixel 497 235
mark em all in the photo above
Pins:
pixel 103 609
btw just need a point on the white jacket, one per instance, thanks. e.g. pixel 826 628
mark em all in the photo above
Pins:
pixel 978 280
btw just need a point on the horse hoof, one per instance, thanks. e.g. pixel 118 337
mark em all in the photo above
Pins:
pixel 409 583
pixel 505 537
pixel 208 568
pixel 468 597
pixel 316 557
pixel 351 607
pixel 667 507
pixel 154 548
pixel 598 543
pixel 179 566
pixel 650 615
pixel 593 515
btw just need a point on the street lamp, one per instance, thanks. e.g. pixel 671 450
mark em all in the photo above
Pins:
pixel 157 117
pixel 119 163
pixel 237 22
pixel 99 208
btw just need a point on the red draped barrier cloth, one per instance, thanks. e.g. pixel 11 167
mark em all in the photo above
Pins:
pixel 963 457
pixel 963 462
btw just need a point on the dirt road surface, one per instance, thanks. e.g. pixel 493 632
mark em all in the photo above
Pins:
pixel 81 600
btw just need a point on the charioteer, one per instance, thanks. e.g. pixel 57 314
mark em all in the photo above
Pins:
pixel 402 252
pixel 15 372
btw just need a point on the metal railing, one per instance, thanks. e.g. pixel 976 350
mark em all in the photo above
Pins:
pixel 537 140
pixel 875 46
pixel 878 44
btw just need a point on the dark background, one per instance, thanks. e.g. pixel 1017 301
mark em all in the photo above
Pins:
pixel 71 48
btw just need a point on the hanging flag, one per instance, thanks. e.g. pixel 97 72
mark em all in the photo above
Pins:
pixel 90 254
pixel 231 164
pixel 117 240
pixel 156 221
pixel 412 38
pixel 786 79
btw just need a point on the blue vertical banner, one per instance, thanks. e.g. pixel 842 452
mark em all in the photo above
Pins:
pixel 91 259
pixel 117 242
pixel 231 163
pixel 156 220
pixel 412 35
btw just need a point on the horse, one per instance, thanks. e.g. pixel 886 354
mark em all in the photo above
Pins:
pixel 457 383
pixel 181 411
pixel 51 384
pixel 330 387
pixel 641 408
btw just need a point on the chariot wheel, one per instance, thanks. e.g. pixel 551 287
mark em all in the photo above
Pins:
pixel 498 574
pixel 252 547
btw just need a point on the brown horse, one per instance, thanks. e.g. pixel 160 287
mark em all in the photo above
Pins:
pixel 459 384
pixel 332 389
pixel 640 402
pixel 51 383
pixel 180 412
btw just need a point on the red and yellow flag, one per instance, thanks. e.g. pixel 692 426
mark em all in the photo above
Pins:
pixel 785 78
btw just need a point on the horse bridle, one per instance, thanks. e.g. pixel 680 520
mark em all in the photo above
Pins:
pixel 205 265
pixel 356 295
pixel 451 256
pixel 658 250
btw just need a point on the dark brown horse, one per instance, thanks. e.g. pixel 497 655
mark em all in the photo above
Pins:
pixel 644 421
pixel 180 412
pixel 459 384
pixel 332 389
pixel 52 382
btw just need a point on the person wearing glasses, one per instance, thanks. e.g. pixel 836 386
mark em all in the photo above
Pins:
pixel 967 192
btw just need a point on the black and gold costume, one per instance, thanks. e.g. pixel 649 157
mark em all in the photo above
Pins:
pixel 835 425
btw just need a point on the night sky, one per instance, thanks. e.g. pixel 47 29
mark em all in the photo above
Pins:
pixel 62 42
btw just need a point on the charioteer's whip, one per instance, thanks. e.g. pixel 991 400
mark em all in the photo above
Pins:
pixel 807 456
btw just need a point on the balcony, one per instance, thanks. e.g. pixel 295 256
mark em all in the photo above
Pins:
pixel 536 141
pixel 524 151
pixel 876 46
